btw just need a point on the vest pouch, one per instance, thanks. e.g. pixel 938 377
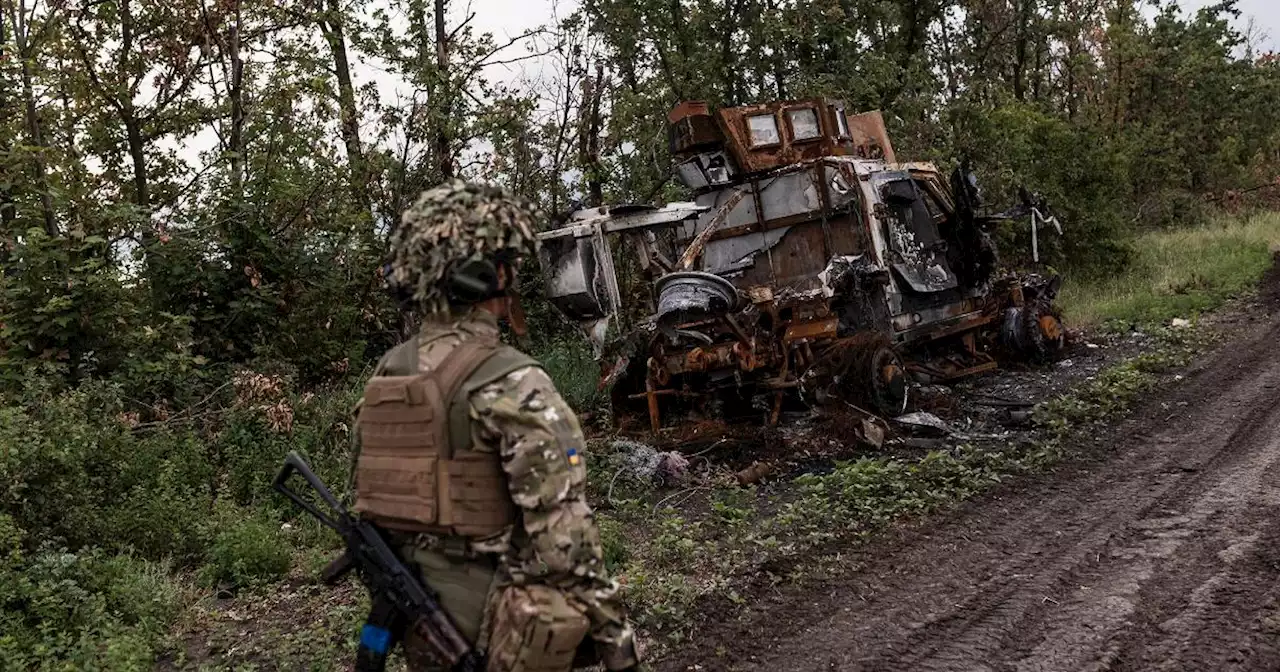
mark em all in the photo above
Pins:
pixel 477 503
pixel 401 436
pixel 534 629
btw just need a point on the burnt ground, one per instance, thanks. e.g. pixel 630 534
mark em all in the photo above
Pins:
pixel 1158 547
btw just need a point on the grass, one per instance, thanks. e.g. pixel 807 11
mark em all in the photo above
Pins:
pixel 1179 273
pixel 1115 389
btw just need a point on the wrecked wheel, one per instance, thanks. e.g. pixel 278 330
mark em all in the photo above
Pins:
pixel 1033 333
pixel 885 381
pixel 864 368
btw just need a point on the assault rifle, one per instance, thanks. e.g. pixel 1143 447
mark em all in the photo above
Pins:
pixel 400 600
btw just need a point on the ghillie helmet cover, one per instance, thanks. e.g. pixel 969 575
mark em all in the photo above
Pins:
pixel 454 223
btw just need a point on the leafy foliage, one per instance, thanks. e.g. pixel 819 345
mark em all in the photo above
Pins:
pixel 247 549
pixel 86 610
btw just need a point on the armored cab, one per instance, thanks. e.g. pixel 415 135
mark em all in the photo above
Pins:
pixel 809 265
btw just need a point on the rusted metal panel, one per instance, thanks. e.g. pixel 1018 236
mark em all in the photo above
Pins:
pixel 692 126
pixel 733 255
pixel 799 258
pixel 687 109
pixel 814 329
pixel 803 130
pixel 947 327
pixel 926 316
pixel 846 235
pixel 761 271
pixel 797 203
pixel 870 137
pixel 743 217
pixel 695 248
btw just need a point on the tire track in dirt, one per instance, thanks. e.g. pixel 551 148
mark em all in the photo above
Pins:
pixel 1163 556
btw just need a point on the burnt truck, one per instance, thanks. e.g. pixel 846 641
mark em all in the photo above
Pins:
pixel 811 267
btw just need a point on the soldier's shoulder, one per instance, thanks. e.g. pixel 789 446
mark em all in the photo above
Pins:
pixel 527 379
pixel 397 360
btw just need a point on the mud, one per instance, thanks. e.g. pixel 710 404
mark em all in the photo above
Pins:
pixel 1158 551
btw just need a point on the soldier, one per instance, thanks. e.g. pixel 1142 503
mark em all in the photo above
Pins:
pixel 470 459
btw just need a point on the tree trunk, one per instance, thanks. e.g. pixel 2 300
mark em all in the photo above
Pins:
pixel 1121 87
pixel 1037 81
pixel 728 65
pixel 589 124
pixel 1071 79
pixel 1020 49
pixel 911 37
pixel 335 35
pixel 132 126
pixel 235 91
pixel 679 32
pixel 949 59
pixel 562 145
pixel 7 206
pixel 444 157
pixel 35 133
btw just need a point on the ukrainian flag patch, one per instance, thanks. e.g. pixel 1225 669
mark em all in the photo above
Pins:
pixel 574 458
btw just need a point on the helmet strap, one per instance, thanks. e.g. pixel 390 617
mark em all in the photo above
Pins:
pixel 515 315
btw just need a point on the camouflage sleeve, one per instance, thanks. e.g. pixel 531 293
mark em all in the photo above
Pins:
pixel 541 445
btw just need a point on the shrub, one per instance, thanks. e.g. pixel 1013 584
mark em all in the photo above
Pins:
pixel 85 610
pixel 567 359
pixel 613 541
pixel 77 473
pixel 247 549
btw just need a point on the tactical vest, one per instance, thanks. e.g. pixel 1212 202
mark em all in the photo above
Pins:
pixel 418 470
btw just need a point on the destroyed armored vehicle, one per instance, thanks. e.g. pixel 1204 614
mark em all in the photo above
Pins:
pixel 810 267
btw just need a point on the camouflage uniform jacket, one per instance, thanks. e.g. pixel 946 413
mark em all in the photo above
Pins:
pixel 555 542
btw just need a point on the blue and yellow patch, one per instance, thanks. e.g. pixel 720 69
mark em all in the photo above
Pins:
pixel 574 458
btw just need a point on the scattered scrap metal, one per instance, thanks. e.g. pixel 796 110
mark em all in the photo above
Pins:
pixel 811 268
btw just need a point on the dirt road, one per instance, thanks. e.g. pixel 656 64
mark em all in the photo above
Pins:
pixel 1160 552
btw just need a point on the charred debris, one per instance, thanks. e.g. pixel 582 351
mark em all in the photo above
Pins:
pixel 811 268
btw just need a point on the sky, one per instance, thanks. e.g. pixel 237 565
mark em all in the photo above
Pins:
pixel 1265 13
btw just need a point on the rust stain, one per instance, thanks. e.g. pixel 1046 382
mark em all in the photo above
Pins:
pixel 866 136
pixel 807 331
pixel 870 137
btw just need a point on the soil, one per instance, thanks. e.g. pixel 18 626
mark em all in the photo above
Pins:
pixel 1158 549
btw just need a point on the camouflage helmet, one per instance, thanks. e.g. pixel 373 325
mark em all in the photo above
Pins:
pixel 453 223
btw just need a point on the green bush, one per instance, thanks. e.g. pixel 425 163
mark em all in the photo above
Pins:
pixel 614 542
pixel 84 611
pixel 567 359
pixel 1084 177
pixel 81 471
pixel 247 549
pixel 103 495
pixel 76 472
